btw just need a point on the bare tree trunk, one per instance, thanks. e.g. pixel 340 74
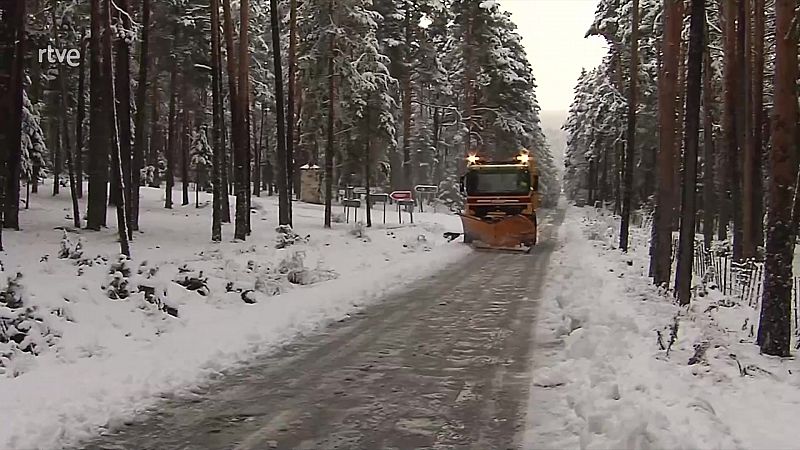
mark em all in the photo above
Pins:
pixel 170 149
pixel 744 115
pixel 259 154
pixel 774 332
pixel 661 251
pixel 758 121
pixel 122 221
pixel 12 34
pixel 291 121
pixel 329 150
pixel 680 96
pixel 683 275
pixel 216 95
pixel 225 161
pixel 64 97
pixel 141 117
pixel 281 159
pixel 123 89
pixel 98 128
pixel 81 116
pixel 729 123
pixel 368 169
pixel 185 144
pixel 630 145
pixel 709 185
pixel 405 84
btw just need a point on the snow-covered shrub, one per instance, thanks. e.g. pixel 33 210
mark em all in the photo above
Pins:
pixel 69 249
pixel 287 237
pixel 296 272
pixel 153 290
pixel 192 280
pixel 22 328
pixel 337 218
pixel 117 282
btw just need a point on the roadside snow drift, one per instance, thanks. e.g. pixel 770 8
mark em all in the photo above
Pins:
pixel 618 365
pixel 113 335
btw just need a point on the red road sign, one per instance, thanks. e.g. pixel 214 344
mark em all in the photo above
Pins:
pixel 401 195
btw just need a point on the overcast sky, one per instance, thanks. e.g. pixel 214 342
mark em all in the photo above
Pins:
pixel 552 32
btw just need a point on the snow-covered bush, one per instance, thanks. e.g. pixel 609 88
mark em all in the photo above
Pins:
pixel 192 280
pixel 287 237
pixel 70 249
pixel 117 282
pixel 23 330
pixel 296 272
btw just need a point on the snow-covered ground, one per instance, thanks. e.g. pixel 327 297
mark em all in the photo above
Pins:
pixel 102 360
pixel 603 379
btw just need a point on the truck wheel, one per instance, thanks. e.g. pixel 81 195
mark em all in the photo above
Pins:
pixel 535 229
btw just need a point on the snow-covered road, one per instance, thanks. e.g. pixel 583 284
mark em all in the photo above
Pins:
pixel 444 364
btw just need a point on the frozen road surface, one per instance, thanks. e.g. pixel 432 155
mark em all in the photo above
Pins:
pixel 443 365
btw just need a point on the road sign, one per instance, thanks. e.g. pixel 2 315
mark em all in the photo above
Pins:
pixel 401 195
pixel 378 198
pixel 409 205
pixel 350 203
pixel 426 188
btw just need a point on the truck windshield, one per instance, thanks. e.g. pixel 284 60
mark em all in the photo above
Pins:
pixel 498 181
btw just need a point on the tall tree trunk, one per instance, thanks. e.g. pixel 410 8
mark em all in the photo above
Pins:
pixel 81 116
pixel 98 128
pixel 185 144
pixel 405 84
pixel 244 102
pixel 368 168
pixel 661 251
pixel 12 38
pixel 216 96
pixel 729 123
pixel 630 144
pixel 291 118
pixel 225 161
pixel 170 148
pixel 123 89
pixel 64 94
pixel 758 121
pixel 55 129
pixel 329 150
pixel 141 117
pixel 680 97
pixel 257 175
pixel 709 155
pixel 744 115
pixel 116 151
pixel 237 132
pixel 774 332
pixel 156 134
pixel 683 275
pixel 281 158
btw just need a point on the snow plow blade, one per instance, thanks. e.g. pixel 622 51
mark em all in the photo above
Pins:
pixel 509 233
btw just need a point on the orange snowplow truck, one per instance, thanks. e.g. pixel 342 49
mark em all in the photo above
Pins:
pixel 501 202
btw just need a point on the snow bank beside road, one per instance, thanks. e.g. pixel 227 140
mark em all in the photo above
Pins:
pixel 113 358
pixel 601 379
